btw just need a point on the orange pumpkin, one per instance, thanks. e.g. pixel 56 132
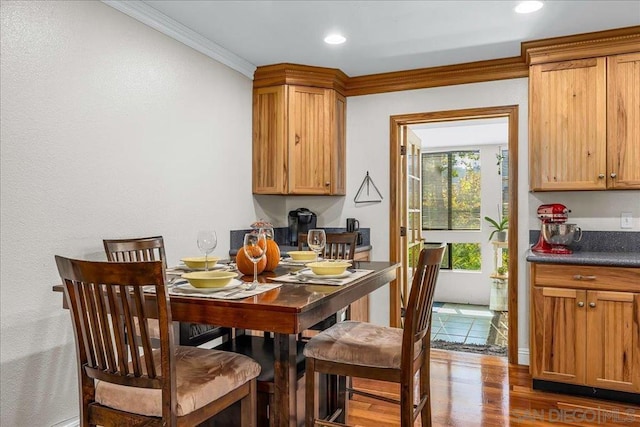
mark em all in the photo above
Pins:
pixel 245 266
pixel 273 255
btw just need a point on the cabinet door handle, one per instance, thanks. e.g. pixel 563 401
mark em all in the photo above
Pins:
pixel 601 176
pixel 592 304
pixel 297 139
pixel 581 304
pixel 581 277
pixel 327 183
pixel 613 175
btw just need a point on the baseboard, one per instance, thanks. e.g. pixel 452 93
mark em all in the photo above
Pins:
pixel 523 356
pixel 71 422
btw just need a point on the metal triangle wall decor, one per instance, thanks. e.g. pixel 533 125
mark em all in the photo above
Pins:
pixel 365 193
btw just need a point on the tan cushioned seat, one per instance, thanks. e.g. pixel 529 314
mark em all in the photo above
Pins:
pixel 358 343
pixel 202 376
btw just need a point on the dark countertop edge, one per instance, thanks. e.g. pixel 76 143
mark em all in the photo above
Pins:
pixel 284 249
pixel 610 259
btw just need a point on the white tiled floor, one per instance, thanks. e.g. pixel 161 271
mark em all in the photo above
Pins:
pixel 468 324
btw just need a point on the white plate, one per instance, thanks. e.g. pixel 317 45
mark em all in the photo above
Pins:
pixel 183 267
pixel 311 275
pixel 296 261
pixel 186 288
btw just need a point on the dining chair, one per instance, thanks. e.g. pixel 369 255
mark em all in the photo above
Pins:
pixel 365 350
pixel 128 382
pixel 152 249
pixel 337 246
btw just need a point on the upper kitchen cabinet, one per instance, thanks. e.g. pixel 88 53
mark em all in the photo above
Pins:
pixel 299 115
pixel 584 115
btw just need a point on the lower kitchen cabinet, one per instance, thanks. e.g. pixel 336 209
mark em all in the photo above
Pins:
pixel 585 326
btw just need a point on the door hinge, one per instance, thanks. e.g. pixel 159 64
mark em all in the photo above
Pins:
pixel 403 150
pixel 403 231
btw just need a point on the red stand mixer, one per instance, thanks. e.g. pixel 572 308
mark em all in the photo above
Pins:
pixel 555 234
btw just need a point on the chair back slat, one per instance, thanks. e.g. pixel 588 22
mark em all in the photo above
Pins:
pixel 420 304
pixel 117 322
pixel 135 250
pixel 105 328
pixel 144 333
pixel 106 299
pixel 338 245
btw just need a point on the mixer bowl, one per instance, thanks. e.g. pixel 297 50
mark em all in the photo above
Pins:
pixel 561 234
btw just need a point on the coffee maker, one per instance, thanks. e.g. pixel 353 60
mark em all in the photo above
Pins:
pixel 301 220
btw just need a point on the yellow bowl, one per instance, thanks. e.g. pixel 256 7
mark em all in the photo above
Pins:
pixel 302 255
pixel 198 262
pixel 209 279
pixel 325 268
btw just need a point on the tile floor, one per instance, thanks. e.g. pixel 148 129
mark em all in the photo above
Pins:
pixel 468 324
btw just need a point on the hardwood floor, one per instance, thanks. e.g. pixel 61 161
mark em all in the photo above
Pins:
pixel 476 390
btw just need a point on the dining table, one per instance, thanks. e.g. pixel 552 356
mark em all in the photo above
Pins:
pixel 285 311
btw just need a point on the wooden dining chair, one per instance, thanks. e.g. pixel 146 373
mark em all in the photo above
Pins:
pixel 365 350
pixel 152 249
pixel 127 381
pixel 338 245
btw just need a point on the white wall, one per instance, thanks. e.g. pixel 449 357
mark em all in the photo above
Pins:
pixel 109 129
pixel 368 149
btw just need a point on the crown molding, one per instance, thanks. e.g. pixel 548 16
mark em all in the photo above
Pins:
pixel 303 75
pixel 470 72
pixel 581 46
pixel 149 16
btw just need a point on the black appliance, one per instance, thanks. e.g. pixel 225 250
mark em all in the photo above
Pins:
pixel 301 220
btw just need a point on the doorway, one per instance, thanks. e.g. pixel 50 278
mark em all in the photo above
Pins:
pixel 400 220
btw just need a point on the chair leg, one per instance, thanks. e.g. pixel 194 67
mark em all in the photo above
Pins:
pixel 248 407
pixel 311 393
pixel 406 405
pixel 425 390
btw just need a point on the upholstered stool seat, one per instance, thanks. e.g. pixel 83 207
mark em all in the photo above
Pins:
pixel 202 376
pixel 358 343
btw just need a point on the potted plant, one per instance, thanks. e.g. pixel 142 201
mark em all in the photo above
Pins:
pixel 500 228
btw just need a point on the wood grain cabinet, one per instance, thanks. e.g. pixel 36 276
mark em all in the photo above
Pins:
pixel 584 123
pixel 585 326
pixel 299 115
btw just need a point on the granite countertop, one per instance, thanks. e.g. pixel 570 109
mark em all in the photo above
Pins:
pixel 608 248
pixel 611 259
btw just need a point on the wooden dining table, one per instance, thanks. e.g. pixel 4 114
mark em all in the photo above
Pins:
pixel 285 311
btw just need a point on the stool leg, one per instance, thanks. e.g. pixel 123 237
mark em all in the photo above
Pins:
pixel 311 393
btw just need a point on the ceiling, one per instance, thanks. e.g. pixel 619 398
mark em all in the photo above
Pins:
pixel 382 36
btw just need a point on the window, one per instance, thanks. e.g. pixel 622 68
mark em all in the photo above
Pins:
pixel 451 190
pixel 503 170
pixel 451 201
pixel 461 256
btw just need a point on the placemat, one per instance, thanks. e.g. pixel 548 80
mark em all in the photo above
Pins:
pixel 306 280
pixel 230 294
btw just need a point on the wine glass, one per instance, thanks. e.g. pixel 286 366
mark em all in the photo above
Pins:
pixel 255 247
pixel 316 239
pixel 207 242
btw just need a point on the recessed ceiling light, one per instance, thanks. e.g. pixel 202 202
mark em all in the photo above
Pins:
pixel 335 39
pixel 528 6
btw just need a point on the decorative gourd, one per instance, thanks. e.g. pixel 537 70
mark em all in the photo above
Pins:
pixel 245 266
pixel 273 255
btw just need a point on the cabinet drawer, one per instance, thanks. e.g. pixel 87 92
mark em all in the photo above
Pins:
pixel 587 277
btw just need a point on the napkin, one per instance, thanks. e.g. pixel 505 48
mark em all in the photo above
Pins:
pixel 235 293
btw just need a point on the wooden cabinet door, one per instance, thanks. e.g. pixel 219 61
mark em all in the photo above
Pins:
pixel 558 335
pixel 338 141
pixel 567 125
pixel 623 127
pixel 613 340
pixel 269 141
pixel 308 133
